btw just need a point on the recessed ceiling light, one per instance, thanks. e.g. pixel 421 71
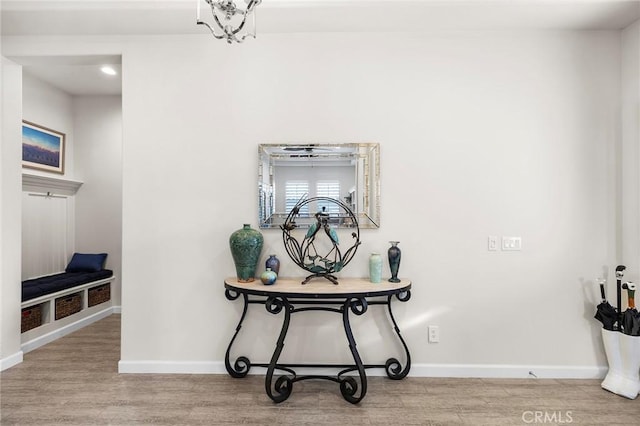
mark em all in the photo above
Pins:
pixel 108 70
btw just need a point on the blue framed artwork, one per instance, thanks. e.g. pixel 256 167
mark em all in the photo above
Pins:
pixel 42 148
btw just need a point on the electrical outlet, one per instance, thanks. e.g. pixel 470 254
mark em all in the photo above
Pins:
pixel 434 334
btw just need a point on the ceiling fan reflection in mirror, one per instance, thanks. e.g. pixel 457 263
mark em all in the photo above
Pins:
pixel 306 148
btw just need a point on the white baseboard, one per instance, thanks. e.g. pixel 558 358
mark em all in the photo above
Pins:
pixel 206 367
pixel 496 371
pixel 171 367
pixel 11 360
pixel 417 370
pixel 63 331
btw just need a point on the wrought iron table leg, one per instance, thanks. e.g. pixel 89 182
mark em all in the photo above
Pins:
pixel 348 385
pixel 393 367
pixel 283 385
pixel 242 365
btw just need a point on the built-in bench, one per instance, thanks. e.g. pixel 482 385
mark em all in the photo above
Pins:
pixel 62 294
pixel 51 298
pixel 38 287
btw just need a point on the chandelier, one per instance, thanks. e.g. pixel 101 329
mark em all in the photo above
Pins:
pixel 230 21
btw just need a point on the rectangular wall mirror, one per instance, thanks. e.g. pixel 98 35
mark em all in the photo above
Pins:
pixel 349 172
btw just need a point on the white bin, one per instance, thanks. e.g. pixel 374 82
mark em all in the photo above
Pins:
pixel 623 355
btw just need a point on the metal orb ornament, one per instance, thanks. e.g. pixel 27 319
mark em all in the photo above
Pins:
pixel 309 253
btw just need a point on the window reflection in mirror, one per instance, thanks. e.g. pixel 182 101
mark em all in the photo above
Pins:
pixel 349 172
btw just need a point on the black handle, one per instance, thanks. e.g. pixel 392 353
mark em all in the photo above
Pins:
pixel 604 296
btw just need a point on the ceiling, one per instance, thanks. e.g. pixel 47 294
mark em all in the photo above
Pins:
pixel 81 76
pixel 76 75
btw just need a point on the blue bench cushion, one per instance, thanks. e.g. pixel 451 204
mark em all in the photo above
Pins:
pixel 53 283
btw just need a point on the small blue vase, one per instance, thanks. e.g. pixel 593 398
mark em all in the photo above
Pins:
pixel 273 263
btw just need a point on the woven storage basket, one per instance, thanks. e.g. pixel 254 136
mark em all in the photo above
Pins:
pixel 99 294
pixel 31 318
pixel 68 305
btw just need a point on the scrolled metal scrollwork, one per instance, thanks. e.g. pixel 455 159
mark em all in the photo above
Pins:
pixel 282 387
pixel 283 384
pixel 392 366
pixel 240 367
pixel 394 369
pixel 231 294
pixel 358 306
pixel 274 305
pixel 349 388
pixel 404 296
pixel 352 379
pixel 348 385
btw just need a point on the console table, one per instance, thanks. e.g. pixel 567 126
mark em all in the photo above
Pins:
pixel 289 296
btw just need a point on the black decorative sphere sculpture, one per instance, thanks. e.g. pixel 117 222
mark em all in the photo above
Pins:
pixel 307 253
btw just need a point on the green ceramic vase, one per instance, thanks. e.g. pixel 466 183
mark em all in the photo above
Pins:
pixel 375 268
pixel 246 246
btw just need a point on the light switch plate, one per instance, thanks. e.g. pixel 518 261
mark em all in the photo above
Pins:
pixel 511 243
pixel 492 243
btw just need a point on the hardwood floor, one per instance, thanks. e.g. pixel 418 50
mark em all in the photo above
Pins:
pixel 74 380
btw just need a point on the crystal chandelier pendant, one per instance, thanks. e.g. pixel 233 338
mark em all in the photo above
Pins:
pixel 228 21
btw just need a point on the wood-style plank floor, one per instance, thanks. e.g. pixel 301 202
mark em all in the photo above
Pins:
pixel 74 380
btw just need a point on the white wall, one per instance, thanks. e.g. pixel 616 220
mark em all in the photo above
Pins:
pixel 98 163
pixel 481 134
pixel 630 153
pixel 50 107
pixel 10 181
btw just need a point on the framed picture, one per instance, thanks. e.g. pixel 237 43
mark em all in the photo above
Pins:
pixel 42 148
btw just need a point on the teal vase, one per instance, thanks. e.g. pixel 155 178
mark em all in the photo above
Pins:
pixel 375 268
pixel 246 246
